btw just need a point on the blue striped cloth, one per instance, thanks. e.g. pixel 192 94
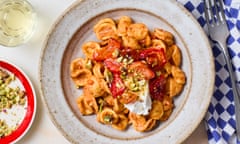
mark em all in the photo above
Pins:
pixel 220 118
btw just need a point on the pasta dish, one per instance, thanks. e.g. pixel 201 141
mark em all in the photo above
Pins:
pixel 129 77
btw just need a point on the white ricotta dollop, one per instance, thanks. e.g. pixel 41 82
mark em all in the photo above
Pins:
pixel 143 105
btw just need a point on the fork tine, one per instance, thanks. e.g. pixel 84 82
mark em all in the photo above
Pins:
pixel 222 11
pixel 216 10
pixel 207 4
pixel 211 12
pixel 207 11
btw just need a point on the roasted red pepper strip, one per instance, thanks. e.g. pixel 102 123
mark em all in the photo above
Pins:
pixel 155 57
pixel 134 54
pixel 142 69
pixel 157 87
pixel 113 65
pixel 117 86
pixel 108 51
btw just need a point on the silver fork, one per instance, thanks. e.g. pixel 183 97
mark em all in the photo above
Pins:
pixel 219 32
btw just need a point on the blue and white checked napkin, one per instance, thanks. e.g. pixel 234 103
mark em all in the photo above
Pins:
pixel 220 118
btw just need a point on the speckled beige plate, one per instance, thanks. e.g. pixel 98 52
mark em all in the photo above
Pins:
pixel 75 27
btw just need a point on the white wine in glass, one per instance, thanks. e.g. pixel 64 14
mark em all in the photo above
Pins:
pixel 17 22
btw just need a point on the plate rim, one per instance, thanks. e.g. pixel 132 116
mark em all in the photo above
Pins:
pixel 200 29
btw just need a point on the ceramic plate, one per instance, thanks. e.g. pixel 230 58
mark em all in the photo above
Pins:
pixel 75 27
pixel 20 117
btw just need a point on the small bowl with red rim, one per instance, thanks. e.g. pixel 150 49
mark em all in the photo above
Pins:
pixel 18 118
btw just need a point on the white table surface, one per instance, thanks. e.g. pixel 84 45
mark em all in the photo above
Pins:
pixel 27 57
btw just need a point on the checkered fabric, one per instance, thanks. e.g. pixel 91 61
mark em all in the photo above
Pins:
pixel 220 118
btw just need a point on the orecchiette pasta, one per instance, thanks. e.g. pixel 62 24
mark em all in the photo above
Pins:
pixel 141 123
pixel 166 115
pixel 137 31
pixel 130 42
pixel 98 70
pixel 174 87
pixel 89 48
pixel 122 123
pixel 166 36
pixel 176 55
pixel 129 77
pixel 146 42
pixel 77 66
pixel 178 75
pixel 157 110
pixel 87 105
pixel 123 25
pixel 159 43
pixel 108 116
pixel 105 29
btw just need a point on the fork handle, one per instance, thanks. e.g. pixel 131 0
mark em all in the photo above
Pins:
pixel 236 94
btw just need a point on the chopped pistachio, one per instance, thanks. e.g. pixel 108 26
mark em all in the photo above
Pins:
pixel 130 61
pixel 22 101
pixel 115 53
pixel 132 85
pixel 136 89
pixel 5 130
pixel 125 61
pixel 107 118
pixel 2 92
pixel 119 59
pixel 108 75
pixel 9 96
pixel 122 76
pixel 88 64
pixel 158 73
